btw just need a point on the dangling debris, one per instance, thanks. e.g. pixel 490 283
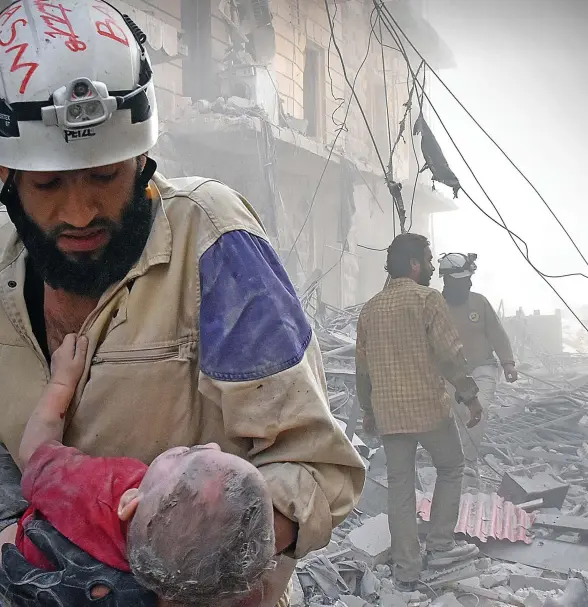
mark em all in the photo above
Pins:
pixel 434 159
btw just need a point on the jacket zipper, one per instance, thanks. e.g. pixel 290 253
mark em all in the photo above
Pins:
pixel 138 356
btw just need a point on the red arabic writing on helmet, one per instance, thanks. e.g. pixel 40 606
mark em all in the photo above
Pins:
pixel 58 24
pixel 109 27
pixel 8 34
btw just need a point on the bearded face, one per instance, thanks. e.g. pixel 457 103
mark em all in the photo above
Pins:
pixel 80 269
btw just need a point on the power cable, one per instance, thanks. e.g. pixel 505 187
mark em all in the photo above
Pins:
pixel 503 225
pixel 339 100
pixel 414 150
pixel 388 125
pixel 511 234
pixel 484 131
pixel 325 274
pixel 361 246
pixel 359 105
pixel 367 185
pixel 337 135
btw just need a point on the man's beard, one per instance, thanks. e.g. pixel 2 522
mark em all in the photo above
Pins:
pixel 87 275
pixel 457 294
pixel 425 278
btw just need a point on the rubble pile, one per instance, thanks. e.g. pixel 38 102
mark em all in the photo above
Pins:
pixel 527 511
pixel 337 341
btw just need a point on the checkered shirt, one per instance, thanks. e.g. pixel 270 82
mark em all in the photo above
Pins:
pixel 406 346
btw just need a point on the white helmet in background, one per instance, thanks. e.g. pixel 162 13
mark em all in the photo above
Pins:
pixel 76 88
pixel 457 265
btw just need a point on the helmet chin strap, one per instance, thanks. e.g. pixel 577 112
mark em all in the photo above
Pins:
pixel 147 172
pixel 7 186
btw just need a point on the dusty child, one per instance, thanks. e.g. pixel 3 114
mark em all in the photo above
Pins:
pixel 160 521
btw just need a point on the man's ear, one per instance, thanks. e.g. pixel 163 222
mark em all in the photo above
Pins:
pixel 4 172
pixel 128 504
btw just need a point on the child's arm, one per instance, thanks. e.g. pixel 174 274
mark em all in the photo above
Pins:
pixel 47 420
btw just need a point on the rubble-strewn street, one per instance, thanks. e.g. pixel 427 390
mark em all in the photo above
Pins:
pixel 527 510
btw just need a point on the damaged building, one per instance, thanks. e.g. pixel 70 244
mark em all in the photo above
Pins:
pixel 254 93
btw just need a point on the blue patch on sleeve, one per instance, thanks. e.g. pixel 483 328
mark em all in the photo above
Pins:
pixel 251 322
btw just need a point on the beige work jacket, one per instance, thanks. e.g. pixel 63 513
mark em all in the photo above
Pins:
pixel 143 391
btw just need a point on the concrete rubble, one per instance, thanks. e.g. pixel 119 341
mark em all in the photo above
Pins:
pixel 527 511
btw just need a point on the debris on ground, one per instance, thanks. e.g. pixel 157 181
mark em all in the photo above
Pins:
pixel 526 509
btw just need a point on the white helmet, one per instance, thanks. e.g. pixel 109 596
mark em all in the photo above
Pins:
pixel 76 88
pixel 457 265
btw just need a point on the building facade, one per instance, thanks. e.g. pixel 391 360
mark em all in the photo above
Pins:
pixel 294 103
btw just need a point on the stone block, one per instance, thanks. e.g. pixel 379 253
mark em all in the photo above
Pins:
pixel 525 485
pixel 371 542
pixel 518 582
pixel 297 598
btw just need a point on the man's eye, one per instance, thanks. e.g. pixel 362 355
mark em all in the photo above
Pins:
pixel 48 185
pixel 105 178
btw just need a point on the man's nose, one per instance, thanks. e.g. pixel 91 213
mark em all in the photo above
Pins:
pixel 77 208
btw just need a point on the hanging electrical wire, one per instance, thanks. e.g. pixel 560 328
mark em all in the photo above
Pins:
pixel 386 102
pixel 390 29
pixel 393 186
pixel 361 246
pixel 380 6
pixel 414 150
pixel 339 100
pixel 337 134
pixel 515 238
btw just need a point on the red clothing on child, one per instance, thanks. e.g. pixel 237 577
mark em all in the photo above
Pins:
pixel 79 495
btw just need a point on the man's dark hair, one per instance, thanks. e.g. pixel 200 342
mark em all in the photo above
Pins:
pixel 404 248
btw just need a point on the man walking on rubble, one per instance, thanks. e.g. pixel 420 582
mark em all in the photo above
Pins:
pixel 482 335
pixel 406 345
pixel 195 334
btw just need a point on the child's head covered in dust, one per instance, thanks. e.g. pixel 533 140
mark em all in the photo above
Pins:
pixel 200 521
pixel 201 527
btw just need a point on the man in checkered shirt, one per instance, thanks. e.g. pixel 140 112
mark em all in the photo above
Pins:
pixel 406 347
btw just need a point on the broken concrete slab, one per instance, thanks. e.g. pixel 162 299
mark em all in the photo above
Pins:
pixel 491 580
pixel 575 595
pixel 562 522
pixel 518 581
pixel 371 542
pixel 523 485
pixel 390 598
pixel 297 598
pixel 374 498
pixel 533 599
pixel 498 594
pixel 550 555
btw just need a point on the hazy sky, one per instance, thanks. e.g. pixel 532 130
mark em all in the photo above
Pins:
pixel 521 70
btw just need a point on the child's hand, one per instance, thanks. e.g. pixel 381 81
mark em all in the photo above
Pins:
pixel 67 362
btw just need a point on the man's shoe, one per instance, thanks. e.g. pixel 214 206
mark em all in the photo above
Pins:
pixel 406 586
pixel 471 471
pixel 459 551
